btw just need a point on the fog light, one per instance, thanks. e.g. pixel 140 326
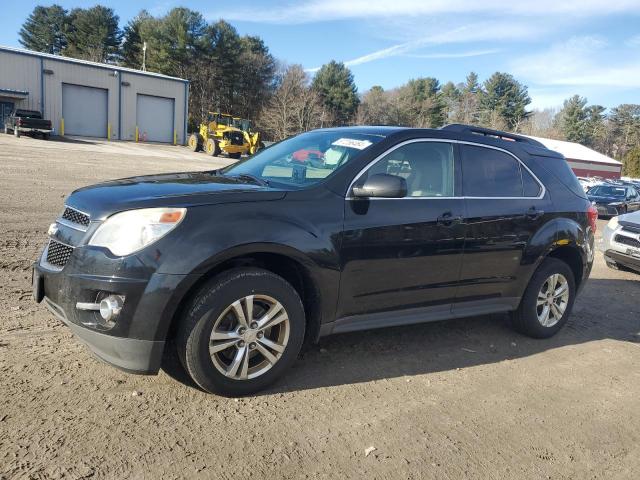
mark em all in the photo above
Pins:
pixel 111 307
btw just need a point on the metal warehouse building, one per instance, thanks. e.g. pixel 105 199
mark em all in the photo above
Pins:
pixel 91 99
pixel 584 161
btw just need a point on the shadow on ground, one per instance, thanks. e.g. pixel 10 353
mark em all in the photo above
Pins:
pixel 441 346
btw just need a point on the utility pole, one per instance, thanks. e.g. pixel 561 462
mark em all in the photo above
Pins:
pixel 144 56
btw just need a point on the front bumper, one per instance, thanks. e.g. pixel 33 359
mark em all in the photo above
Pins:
pixel 622 245
pixel 129 354
pixel 135 342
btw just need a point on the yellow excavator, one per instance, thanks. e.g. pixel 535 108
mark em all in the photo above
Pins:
pixel 225 133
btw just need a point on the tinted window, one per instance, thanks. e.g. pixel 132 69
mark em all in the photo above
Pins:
pixel 489 173
pixel 562 171
pixel 426 166
pixel 531 187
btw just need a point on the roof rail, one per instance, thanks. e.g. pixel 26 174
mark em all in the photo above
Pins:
pixel 488 132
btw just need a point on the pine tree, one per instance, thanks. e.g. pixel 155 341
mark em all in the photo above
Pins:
pixel 45 30
pixel 503 102
pixel 334 83
pixel 572 119
pixel 131 54
pixel 94 34
pixel 631 163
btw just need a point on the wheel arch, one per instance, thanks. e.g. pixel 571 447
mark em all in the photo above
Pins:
pixel 566 240
pixel 288 263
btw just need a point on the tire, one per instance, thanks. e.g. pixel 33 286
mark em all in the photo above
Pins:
pixel 45 136
pixel 194 142
pixel 235 156
pixel 212 148
pixel 525 319
pixel 213 306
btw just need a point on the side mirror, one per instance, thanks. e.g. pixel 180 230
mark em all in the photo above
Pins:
pixel 381 185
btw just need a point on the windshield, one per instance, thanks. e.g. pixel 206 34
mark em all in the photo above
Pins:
pixel 608 191
pixel 220 119
pixel 306 159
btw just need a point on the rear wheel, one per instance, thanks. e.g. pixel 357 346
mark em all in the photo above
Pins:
pixel 241 332
pixel 194 142
pixel 547 301
pixel 212 148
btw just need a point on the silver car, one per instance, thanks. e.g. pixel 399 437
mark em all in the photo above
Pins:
pixel 621 242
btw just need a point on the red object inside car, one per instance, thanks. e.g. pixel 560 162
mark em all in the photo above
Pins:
pixel 305 155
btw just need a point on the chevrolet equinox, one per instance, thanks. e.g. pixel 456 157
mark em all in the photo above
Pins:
pixel 330 231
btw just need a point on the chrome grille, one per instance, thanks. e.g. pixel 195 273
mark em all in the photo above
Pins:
pixel 75 216
pixel 632 242
pixel 58 254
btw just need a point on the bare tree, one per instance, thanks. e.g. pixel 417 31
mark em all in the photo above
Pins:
pixel 293 108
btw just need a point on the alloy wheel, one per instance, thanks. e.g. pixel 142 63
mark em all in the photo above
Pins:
pixel 553 299
pixel 249 337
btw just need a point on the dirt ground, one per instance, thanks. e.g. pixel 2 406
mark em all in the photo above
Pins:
pixel 460 399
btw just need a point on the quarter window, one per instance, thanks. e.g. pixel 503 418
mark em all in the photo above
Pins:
pixel 491 173
pixel 426 166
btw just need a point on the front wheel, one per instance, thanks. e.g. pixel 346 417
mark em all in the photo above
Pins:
pixel 194 142
pixel 212 148
pixel 547 301
pixel 241 332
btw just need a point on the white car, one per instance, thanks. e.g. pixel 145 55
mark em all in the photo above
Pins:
pixel 621 242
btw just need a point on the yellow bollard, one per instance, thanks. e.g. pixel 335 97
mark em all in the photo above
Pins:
pixel 175 137
pixel 137 134
pixel 62 127
pixel 108 131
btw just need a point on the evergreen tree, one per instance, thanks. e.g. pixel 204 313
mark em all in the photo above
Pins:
pixel 423 102
pixel 131 54
pixel 94 34
pixel 631 163
pixel 45 30
pixel 572 119
pixel 334 83
pixel 503 102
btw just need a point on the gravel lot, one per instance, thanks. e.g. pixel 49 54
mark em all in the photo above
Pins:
pixel 462 399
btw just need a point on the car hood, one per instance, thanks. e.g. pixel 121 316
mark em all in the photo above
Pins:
pixel 171 190
pixel 631 219
pixel 605 199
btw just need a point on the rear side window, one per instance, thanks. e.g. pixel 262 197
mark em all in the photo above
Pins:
pixel 562 171
pixel 490 173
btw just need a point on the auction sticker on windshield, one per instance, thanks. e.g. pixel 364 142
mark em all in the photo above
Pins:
pixel 352 143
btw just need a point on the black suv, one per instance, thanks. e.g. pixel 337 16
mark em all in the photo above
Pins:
pixel 330 231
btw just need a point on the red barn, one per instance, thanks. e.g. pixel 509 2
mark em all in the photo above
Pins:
pixel 583 161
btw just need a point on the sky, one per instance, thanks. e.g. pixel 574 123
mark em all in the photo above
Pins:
pixel 557 48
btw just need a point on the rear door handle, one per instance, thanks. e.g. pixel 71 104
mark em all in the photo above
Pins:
pixel 533 213
pixel 447 219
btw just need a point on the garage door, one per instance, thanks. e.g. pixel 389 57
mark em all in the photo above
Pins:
pixel 84 110
pixel 154 117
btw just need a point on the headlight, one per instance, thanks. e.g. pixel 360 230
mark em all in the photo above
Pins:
pixel 613 223
pixel 128 232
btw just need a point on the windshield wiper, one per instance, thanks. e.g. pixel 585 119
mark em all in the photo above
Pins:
pixel 251 178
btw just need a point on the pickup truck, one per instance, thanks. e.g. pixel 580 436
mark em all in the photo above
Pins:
pixel 28 122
